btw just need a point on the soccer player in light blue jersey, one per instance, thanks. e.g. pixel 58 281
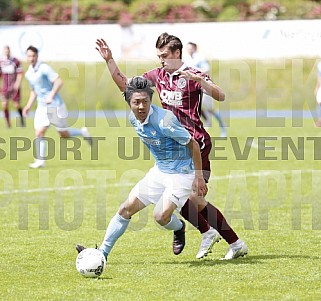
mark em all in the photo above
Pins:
pixel 45 84
pixel 198 61
pixel 176 175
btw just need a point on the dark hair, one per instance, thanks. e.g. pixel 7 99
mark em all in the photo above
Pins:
pixel 193 44
pixel 33 49
pixel 138 84
pixel 172 42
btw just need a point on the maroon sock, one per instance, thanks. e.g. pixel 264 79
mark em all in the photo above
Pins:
pixel 190 213
pixel 216 219
pixel 21 117
pixel 6 115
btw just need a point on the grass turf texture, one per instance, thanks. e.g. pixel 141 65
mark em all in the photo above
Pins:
pixel 38 256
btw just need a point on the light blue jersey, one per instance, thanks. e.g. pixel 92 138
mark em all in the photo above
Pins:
pixel 41 78
pixel 166 139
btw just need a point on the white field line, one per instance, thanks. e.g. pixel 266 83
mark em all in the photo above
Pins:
pixel 128 184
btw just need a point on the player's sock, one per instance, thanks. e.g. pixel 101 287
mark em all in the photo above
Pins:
pixel 219 119
pixel 116 228
pixel 190 213
pixel 21 117
pixel 216 219
pixel 7 117
pixel 40 148
pixel 174 224
pixel 74 132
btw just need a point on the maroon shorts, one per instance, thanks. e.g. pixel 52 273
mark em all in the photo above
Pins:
pixel 14 95
pixel 206 164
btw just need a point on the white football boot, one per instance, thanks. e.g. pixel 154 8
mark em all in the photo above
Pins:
pixel 235 250
pixel 85 133
pixel 209 238
pixel 37 164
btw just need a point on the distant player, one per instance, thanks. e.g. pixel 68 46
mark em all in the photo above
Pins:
pixel 45 84
pixel 11 73
pixel 196 60
pixel 177 172
pixel 317 91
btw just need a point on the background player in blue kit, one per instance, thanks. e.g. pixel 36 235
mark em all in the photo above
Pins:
pixel 177 172
pixel 198 61
pixel 45 84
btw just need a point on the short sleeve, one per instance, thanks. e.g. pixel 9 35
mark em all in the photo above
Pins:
pixel 51 74
pixel 151 76
pixel 18 66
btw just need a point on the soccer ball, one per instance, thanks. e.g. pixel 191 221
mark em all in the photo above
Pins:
pixel 90 263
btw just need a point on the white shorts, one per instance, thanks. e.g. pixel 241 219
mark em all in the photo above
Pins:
pixel 56 116
pixel 157 184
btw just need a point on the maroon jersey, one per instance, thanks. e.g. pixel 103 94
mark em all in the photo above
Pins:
pixel 9 68
pixel 184 98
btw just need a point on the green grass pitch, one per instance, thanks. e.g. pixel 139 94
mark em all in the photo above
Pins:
pixel 269 192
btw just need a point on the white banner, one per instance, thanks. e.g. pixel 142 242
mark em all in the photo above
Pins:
pixel 60 42
pixel 226 40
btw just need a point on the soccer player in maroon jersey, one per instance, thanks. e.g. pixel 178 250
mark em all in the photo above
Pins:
pixel 180 89
pixel 11 73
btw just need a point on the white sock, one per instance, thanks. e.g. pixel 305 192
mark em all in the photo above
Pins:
pixel 236 243
pixel 40 145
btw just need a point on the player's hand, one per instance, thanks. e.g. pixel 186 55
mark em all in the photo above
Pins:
pixel 104 50
pixel 199 186
pixel 15 87
pixel 189 75
pixel 25 111
pixel 48 100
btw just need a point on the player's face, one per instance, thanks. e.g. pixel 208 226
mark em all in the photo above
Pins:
pixel 32 58
pixel 6 51
pixel 190 49
pixel 169 60
pixel 140 105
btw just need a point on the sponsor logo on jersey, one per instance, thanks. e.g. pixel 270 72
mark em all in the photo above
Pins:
pixel 171 97
pixel 151 141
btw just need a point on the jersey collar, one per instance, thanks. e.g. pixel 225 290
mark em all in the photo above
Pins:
pixel 36 67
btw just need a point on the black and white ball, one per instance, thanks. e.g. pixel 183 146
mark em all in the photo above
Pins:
pixel 90 263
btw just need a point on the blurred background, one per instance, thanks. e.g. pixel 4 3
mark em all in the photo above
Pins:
pixel 262 53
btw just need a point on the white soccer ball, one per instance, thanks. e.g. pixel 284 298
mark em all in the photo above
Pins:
pixel 90 263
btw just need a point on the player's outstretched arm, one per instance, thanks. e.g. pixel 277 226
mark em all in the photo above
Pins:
pixel 119 78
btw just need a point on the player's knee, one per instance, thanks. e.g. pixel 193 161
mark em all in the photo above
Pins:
pixel 64 134
pixel 125 211
pixel 197 200
pixel 162 218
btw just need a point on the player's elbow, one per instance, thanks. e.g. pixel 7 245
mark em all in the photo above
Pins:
pixel 122 88
pixel 220 95
pixel 58 82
